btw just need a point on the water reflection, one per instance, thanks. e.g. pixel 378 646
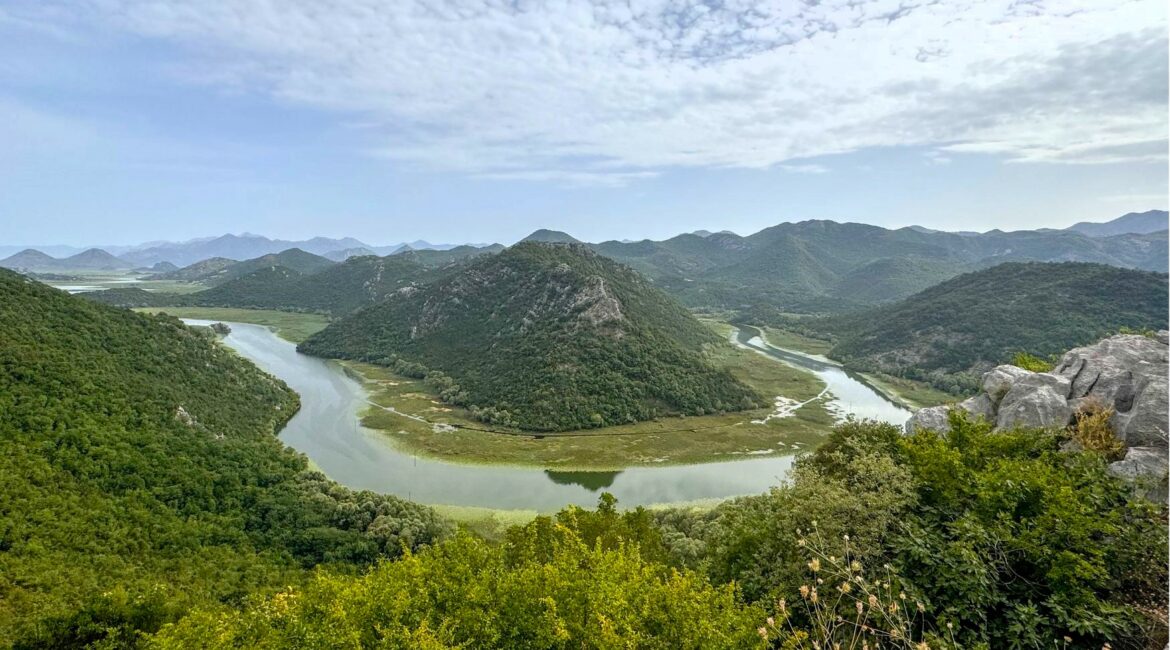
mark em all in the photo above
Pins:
pixel 592 481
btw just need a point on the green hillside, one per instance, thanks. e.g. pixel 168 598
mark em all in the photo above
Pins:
pixel 219 270
pixel 825 266
pixel 140 475
pixel 544 337
pixel 972 322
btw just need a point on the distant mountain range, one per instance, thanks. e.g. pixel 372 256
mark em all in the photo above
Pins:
pixel 93 259
pixel 1133 223
pixel 249 246
pixel 233 247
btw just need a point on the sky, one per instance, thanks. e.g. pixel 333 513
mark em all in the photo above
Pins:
pixel 124 121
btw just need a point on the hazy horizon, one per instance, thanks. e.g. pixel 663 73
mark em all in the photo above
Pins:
pixel 4 245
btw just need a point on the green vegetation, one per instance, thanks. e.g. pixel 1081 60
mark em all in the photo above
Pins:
pixel 140 476
pixel 218 270
pixel 816 267
pixel 661 441
pixel 579 580
pixel 545 337
pixel 1031 362
pixel 973 540
pixel 294 327
pixel 949 334
pixel 336 290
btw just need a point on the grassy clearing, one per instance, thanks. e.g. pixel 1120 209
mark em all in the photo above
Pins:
pixel 793 341
pixel 289 326
pixel 916 394
pixel 674 440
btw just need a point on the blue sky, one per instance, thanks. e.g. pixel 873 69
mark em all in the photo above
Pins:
pixel 130 120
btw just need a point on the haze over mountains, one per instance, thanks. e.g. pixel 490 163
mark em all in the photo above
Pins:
pixel 248 246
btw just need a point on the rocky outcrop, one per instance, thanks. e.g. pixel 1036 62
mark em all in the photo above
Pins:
pixel 1126 373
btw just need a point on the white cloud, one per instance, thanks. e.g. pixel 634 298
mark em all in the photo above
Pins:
pixel 573 91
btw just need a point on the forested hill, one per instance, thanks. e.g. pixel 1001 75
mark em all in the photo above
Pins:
pixel 822 266
pixel 544 337
pixel 952 332
pixel 140 474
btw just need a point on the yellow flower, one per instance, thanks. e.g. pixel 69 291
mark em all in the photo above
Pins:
pixel 815 565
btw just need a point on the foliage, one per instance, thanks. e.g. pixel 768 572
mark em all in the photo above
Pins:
pixel 1031 362
pixel 1093 431
pixel 845 604
pixel 139 474
pixel 951 333
pixel 545 337
pixel 546 587
pixel 1000 534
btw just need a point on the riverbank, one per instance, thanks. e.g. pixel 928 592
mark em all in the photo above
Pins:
pixel 293 327
pixel 913 394
pixel 413 419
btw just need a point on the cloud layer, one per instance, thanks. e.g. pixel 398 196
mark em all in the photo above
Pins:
pixel 610 92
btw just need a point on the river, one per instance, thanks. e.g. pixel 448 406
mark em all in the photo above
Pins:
pixel 327 430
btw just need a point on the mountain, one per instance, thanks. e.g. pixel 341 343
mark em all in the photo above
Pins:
pixel 345 254
pixel 197 271
pixel 236 247
pixel 1138 223
pixel 544 337
pixel 163 267
pixel 951 332
pixel 29 259
pixel 552 237
pixel 435 258
pixel 218 270
pixel 826 266
pixel 140 477
pixel 339 289
pixel 93 259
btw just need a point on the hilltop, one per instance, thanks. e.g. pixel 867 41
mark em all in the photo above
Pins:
pixel 544 337
pixel 219 270
pixel 140 476
pixel 1135 222
pixel 826 266
pixel 955 330
pixel 93 259
pixel 551 237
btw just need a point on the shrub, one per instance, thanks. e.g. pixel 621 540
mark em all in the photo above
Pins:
pixel 1094 432
pixel 1031 362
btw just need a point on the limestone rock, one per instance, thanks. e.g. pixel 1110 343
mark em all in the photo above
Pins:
pixel 999 380
pixel 1033 405
pixel 934 418
pixel 979 406
pixel 1146 467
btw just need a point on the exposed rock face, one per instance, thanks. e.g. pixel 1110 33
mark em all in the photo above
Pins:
pixel 1127 373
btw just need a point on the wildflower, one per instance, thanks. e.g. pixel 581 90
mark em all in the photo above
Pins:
pixel 873 601
pixel 893 608
pixel 782 606
pixel 762 632
pixel 813 596
pixel 902 595
pixel 815 565
pixel 855 566
pixel 771 622
pixel 845 588
pixel 860 607
pixel 921 607
pixel 950 625
pixel 922 646
pixel 804 591
pixel 1068 639
pixel 846 536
